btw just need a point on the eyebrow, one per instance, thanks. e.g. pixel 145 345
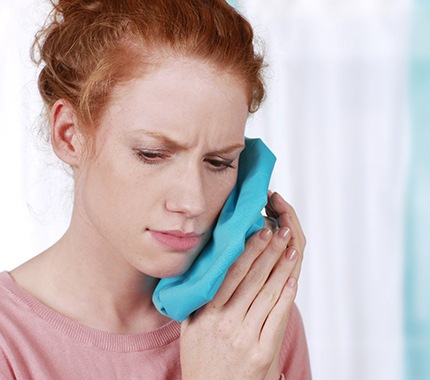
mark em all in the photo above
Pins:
pixel 176 145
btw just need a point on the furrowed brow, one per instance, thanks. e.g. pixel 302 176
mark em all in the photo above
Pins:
pixel 164 139
pixel 177 145
pixel 229 149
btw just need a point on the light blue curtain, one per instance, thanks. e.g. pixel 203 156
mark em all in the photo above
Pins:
pixel 417 249
pixel 234 3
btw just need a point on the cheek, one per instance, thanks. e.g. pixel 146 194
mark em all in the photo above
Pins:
pixel 218 191
pixel 107 188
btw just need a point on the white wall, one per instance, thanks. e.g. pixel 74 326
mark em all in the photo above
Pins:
pixel 33 186
pixel 337 116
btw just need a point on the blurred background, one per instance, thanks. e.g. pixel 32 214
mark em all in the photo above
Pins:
pixel 348 117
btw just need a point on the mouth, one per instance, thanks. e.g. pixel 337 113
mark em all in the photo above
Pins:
pixel 175 240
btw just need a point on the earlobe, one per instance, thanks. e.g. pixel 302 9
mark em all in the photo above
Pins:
pixel 65 137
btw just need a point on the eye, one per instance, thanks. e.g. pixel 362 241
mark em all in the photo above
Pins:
pixel 220 165
pixel 151 156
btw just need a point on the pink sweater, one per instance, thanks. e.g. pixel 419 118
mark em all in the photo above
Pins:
pixel 37 343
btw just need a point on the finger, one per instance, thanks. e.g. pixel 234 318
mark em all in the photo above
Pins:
pixel 254 246
pixel 271 291
pixel 276 322
pixel 259 272
pixel 288 217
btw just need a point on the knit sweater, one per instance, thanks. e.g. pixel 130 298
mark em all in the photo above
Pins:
pixel 37 343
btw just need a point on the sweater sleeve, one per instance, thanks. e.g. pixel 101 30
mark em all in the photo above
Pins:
pixel 294 359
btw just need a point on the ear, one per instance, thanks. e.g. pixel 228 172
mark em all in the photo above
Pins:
pixel 66 140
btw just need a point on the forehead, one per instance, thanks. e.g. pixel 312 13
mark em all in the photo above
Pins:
pixel 181 93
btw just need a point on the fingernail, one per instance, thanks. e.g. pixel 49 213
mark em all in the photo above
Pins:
pixel 265 234
pixel 292 282
pixel 292 255
pixel 284 232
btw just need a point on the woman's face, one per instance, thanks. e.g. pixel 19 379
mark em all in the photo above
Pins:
pixel 166 158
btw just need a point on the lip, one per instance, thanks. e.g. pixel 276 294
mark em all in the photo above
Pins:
pixel 176 240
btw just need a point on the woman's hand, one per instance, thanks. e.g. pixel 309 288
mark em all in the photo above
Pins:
pixel 239 333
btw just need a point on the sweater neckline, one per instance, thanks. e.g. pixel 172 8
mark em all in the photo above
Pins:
pixel 101 339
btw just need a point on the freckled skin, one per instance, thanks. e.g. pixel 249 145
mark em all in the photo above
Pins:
pixel 159 163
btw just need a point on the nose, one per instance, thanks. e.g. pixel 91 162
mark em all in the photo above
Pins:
pixel 187 194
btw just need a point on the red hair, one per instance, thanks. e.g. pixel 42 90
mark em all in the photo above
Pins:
pixel 88 46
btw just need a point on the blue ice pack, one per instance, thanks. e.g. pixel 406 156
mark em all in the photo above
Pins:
pixel 240 217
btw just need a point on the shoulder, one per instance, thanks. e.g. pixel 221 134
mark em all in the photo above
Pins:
pixel 10 296
pixel 6 294
pixel 16 316
pixel 6 318
pixel 10 314
pixel 294 359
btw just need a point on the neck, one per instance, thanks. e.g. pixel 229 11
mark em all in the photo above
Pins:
pixel 89 284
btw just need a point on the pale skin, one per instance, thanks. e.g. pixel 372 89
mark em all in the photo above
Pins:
pixel 165 158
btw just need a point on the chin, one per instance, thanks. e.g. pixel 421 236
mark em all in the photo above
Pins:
pixel 168 268
pixel 175 263
pixel 174 272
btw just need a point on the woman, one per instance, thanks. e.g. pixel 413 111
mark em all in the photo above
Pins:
pixel 147 103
